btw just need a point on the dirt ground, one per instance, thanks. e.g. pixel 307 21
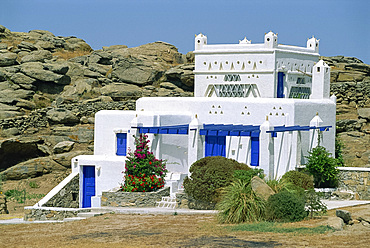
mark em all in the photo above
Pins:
pixel 115 230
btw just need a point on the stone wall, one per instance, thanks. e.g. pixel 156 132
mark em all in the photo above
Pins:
pixel 38 118
pixel 68 197
pixel 352 93
pixel 43 214
pixel 357 180
pixel 133 199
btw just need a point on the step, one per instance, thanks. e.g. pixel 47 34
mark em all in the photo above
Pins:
pixel 73 219
pixel 89 214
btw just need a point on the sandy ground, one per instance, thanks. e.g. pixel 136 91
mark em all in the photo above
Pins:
pixel 115 230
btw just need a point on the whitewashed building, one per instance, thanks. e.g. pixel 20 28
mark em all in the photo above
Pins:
pixel 260 104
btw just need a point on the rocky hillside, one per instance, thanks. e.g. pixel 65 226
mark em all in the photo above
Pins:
pixel 51 87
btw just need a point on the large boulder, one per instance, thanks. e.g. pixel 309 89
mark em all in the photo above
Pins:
pixel 364 113
pixel 32 168
pixel 36 70
pixel 118 91
pixel 8 59
pixel 62 116
pixel 144 64
pixel 261 188
pixel 65 159
pixel 64 146
pixel 37 56
pixel 24 45
pixel 335 222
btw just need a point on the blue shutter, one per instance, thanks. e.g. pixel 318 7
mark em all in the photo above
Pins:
pixel 255 150
pixel 88 185
pixel 215 146
pixel 121 144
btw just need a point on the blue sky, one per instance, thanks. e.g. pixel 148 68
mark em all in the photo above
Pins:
pixel 343 26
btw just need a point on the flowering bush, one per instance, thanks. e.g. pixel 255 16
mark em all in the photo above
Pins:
pixel 143 172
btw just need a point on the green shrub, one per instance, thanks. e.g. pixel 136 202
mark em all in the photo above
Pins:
pixel 240 204
pixel 322 167
pixel 286 206
pixel 278 185
pixel 247 175
pixel 298 179
pixel 209 175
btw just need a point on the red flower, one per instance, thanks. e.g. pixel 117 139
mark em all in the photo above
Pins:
pixel 150 162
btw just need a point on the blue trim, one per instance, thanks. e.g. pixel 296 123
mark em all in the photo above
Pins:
pixel 295 128
pixel 176 129
pixel 255 151
pixel 229 130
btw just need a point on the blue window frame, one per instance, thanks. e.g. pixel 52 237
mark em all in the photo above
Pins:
pixel 121 144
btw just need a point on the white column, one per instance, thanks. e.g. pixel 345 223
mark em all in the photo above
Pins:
pixel 266 154
pixel 195 143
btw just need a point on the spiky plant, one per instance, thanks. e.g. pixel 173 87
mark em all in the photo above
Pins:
pixel 240 204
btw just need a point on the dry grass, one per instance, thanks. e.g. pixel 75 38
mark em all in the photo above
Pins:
pixel 63 54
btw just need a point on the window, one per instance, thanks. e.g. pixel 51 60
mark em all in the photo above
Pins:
pixel 300 92
pixel 121 144
pixel 300 80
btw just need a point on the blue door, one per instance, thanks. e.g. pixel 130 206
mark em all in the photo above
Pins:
pixel 88 185
pixel 255 151
pixel 215 146
pixel 280 85
pixel 121 144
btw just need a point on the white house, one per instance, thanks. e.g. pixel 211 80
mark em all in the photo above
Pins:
pixel 260 104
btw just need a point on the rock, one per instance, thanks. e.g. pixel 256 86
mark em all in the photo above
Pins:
pixel 23 80
pixel 37 56
pixel 27 46
pixel 101 57
pixel 3 46
pixel 114 47
pixel 36 70
pixel 81 87
pixel 118 91
pixel 8 59
pixel 261 188
pixel 8 95
pixel 11 132
pixel 61 116
pixel 135 71
pixel 32 168
pixel 59 67
pixel 64 159
pixel 64 146
pixel 101 69
pixel 343 214
pixel 76 44
pixel 336 223
pixel 168 85
pixel 364 113
pixel 21 103
pixel 46 45
pixel 2 29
